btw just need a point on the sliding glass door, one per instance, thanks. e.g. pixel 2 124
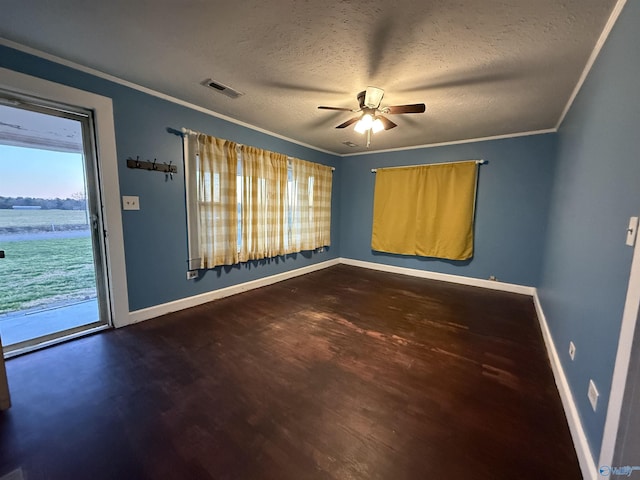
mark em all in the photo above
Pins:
pixel 52 268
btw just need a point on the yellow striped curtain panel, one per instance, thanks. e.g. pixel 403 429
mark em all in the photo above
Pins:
pixel 425 210
pixel 263 185
pixel 310 205
pixel 245 203
pixel 217 200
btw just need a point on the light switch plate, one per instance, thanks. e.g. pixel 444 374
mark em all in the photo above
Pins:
pixel 593 395
pixel 130 203
pixel 631 231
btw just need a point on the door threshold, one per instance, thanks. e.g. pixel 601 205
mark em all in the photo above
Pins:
pixel 11 351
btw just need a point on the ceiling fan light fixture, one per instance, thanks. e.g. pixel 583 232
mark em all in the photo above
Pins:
pixel 377 126
pixel 364 123
pixel 370 118
pixel 369 122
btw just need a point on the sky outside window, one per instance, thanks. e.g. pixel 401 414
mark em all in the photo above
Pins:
pixel 29 172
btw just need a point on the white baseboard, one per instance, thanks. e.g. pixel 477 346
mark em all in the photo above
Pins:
pixel 580 443
pixel 157 310
pixel 578 435
pixel 443 277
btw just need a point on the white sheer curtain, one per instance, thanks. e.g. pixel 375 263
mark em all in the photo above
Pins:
pixel 245 203
pixel 263 187
pixel 213 165
pixel 310 205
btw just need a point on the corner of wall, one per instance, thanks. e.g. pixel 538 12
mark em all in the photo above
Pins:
pixel 581 445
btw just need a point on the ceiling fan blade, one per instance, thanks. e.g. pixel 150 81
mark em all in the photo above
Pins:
pixel 373 97
pixel 414 108
pixel 388 124
pixel 336 108
pixel 351 121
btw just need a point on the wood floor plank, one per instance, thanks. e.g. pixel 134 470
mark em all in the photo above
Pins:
pixel 345 373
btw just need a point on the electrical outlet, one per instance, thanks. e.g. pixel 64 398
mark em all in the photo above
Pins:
pixel 593 395
pixel 130 203
pixel 572 350
pixel 191 274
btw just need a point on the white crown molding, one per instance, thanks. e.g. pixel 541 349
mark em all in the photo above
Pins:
pixel 106 76
pixel 613 18
pixel 580 443
pixel 457 142
pixel 592 58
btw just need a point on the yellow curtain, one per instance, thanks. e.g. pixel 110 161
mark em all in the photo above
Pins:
pixel 245 203
pixel 323 176
pixel 217 200
pixel 263 186
pixel 310 206
pixel 425 210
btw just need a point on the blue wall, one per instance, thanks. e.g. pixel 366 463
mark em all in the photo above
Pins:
pixel 597 188
pixel 511 208
pixel 155 237
pixel 551 211
pixel 511 212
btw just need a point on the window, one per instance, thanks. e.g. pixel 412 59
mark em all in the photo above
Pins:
pixel 246 203
pixel 425 210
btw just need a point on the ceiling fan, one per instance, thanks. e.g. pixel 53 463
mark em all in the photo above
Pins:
pixel 370 119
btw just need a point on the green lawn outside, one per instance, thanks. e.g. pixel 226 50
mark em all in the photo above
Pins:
pixel 37 273
pixel 41 218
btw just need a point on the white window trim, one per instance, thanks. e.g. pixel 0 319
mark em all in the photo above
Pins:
pixel 108 162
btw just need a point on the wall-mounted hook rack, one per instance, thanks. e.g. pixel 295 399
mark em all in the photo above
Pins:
pixel 152 165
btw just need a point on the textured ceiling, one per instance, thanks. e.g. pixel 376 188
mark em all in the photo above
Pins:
pixel 483 68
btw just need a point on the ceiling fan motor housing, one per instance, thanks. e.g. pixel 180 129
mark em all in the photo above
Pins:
pixel 369 114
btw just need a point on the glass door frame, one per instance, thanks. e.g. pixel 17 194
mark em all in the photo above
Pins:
pixel 94 196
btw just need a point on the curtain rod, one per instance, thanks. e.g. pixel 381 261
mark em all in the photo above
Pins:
pixel 187 131
pixel 479 162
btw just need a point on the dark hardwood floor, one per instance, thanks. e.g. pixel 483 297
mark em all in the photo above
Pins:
pixel 345 373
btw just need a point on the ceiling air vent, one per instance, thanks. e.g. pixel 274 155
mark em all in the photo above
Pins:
pixel 350 144
pixel 222 88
